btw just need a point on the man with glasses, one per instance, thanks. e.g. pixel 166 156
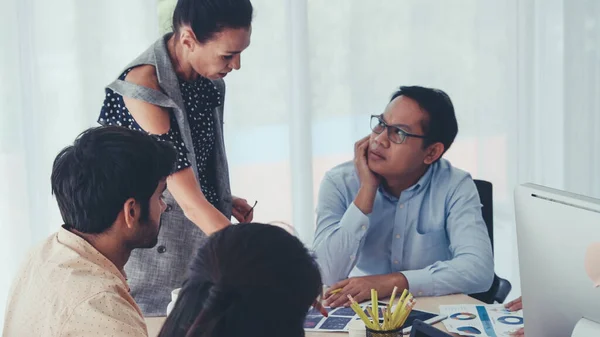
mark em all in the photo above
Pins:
pixel 399 214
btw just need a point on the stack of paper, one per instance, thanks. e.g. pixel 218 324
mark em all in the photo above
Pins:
pixel 481 320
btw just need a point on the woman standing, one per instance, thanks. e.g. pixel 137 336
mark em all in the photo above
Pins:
pixel 175 90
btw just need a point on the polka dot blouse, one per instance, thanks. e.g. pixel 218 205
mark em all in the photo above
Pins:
pixel 200 98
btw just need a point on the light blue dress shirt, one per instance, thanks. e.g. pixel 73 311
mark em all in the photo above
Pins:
pixel 434 233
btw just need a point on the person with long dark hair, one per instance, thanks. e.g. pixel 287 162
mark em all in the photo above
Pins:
pixel 246 280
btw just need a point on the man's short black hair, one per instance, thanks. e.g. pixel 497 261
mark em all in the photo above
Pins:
pixel 441 125
pixel 105 166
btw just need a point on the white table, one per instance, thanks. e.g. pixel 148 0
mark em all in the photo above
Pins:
pixel 423 303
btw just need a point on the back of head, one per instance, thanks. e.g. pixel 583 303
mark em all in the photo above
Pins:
pixel 246 280
pixel 105 166
pixel 441 125
pixel 209 17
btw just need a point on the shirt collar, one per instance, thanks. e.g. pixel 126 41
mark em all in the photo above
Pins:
pixel 89 253
pixel 412 190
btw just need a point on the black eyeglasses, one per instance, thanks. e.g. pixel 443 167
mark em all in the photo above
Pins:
pixel 395 133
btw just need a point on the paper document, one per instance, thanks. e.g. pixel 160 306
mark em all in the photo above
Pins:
pixel 481 320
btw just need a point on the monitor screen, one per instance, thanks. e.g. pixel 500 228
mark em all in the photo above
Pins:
pixel 558 234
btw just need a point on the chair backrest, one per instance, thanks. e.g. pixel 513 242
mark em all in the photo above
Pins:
pixel 500 287
pixel 486 197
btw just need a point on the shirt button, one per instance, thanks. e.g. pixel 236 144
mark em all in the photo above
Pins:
pixel 161 249
pixel 396 262
pixel 401 205
pixel 169 208
pixel 397 236
pixel 363 227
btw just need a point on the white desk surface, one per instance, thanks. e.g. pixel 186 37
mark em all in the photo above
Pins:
pixel 423 303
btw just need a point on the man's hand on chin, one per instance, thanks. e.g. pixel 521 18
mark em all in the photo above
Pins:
pixel 360 288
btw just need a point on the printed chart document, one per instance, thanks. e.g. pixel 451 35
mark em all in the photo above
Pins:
pixel 481 320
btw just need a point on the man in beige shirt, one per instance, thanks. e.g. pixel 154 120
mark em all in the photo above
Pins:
pixel 109 188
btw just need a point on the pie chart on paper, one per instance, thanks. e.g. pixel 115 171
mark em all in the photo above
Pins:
pixel 463 316
pixel 469 330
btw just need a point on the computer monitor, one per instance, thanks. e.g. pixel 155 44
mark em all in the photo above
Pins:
pixel 558 235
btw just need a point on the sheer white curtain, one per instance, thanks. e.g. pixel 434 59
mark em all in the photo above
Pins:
pixel 56 58
pixel 524 77
pixel 559 106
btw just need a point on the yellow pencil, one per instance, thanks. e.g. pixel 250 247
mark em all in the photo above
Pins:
pixel 375 322
pixel 375 304
pixel 396 315
pixel 401 308
pixel 391 302
pixel 404 293
pixel 359 311
pixel 407 312
pixel 390 324
pixel 333 292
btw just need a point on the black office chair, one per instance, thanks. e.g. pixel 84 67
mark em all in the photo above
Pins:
pixel 500 287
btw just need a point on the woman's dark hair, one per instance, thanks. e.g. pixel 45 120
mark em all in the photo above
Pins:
pixel 208 17
pixel 247 280
pixel 107 165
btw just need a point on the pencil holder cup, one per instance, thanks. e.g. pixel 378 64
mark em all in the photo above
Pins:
pixel 388 333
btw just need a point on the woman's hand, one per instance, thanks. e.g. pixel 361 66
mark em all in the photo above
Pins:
pixel 241 210
pixel 515 305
